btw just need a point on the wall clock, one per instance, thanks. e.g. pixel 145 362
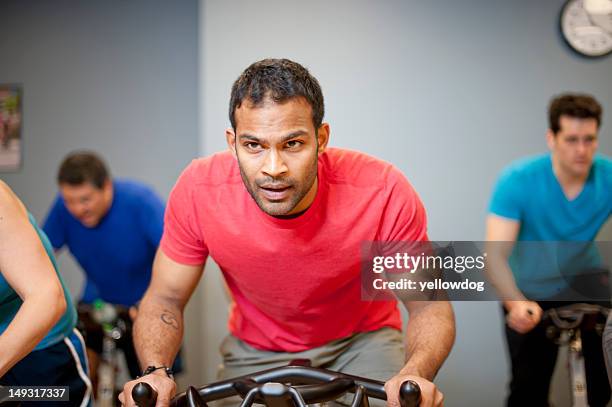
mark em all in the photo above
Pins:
pixel 586 26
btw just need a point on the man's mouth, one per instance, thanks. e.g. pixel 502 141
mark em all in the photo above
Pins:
pixel 86 217
pixel 275 192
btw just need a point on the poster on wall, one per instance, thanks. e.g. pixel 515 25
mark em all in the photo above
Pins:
pixel 11 144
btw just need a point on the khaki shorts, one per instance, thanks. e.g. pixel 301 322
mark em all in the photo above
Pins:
pixel 376 355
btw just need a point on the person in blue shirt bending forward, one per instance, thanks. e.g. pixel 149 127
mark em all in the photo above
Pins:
pixel 112 228
pixel 542 202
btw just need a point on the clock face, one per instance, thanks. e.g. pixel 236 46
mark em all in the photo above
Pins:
pixel 587 26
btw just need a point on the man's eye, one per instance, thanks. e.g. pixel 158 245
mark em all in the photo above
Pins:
pixel 252 146
pixel 294 144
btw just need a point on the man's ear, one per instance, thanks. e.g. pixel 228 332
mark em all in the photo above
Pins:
pixel 323 137
pixel 550 139
pixel 230 137
pixel 108 185
pixel 107 189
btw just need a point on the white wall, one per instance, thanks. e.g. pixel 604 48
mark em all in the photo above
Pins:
pixel 448 91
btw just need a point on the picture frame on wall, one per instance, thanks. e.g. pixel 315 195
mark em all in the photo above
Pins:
pixel 11 142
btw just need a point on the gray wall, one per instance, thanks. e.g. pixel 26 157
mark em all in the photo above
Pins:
pixel 448 91
pixel 119 77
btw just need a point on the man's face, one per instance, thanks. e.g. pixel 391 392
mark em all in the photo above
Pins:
pixel 86 202
pixel 276 147
pixel 574 145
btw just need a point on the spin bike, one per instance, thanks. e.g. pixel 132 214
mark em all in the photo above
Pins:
pixel 564 326
pixel 113 320
pixel 295 385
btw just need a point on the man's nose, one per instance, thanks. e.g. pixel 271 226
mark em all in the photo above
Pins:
pixel 78 209
pixel 582 147
pixel 274 165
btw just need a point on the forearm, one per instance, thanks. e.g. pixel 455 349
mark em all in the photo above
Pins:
pixel 430 335
pixel 158 330
pixel 32 322
pixel 501 278
pixel 501 236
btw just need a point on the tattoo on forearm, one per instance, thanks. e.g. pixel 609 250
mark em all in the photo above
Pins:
pixel 168 318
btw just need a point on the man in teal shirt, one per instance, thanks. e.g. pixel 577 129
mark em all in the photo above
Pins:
pixel 564 196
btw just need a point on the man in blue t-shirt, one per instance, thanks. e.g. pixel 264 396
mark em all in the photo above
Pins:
pixel 112 228
pixel 543 201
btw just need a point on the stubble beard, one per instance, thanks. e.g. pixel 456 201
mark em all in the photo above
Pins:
pixel 299 190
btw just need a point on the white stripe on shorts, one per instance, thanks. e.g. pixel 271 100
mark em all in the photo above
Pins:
pixel 79 367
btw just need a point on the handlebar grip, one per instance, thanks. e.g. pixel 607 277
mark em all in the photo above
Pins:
pixel 410 394
pixel 144 395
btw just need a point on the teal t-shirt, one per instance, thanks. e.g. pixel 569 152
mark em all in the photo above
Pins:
pixel 529 192
pixel 10 302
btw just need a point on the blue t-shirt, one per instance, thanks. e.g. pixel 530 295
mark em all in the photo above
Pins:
pixel 117 254
pixel 529 192
pixel 10 302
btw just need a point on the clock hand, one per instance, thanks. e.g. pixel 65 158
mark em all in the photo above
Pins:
pixel 599 13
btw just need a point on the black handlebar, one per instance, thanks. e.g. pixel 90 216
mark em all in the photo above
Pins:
pixel 571 316
pixel 308 385
pixel 144 395
pixel 410 394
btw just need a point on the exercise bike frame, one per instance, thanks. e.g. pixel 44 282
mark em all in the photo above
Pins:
pixel 567 321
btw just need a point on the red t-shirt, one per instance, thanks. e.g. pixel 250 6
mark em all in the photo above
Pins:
pixel 295 282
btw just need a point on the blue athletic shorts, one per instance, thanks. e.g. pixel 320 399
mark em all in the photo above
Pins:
pixel 62 364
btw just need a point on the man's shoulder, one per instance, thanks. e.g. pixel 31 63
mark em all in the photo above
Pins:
pixel 604 163
pixel 58 207
pixel 216 169
pixel 133 189
pixel 527 166
pixel 344 166
pixel 603 171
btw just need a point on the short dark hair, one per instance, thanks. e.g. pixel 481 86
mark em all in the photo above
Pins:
pixel 576 105
pixel 82 167
pixel 279 80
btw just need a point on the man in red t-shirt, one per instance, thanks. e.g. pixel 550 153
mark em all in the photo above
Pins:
pixel 285 217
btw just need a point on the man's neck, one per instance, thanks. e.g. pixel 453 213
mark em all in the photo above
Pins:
pixel 571 184
pixel 293 216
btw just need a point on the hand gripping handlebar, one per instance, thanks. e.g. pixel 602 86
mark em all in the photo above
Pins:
pixel 287 386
